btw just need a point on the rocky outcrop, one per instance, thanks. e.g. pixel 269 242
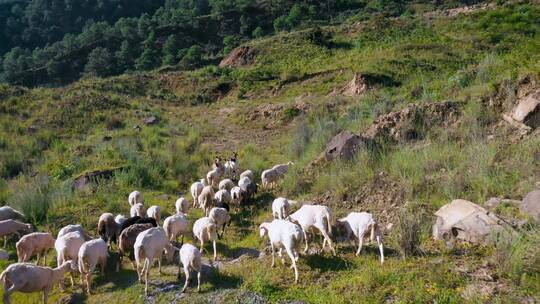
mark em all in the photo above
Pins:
pixel 84 181
pixel 240 56
pixel 531 204
pixel 411 122
pixel 362 82
pixel 466 221
pixel 345 145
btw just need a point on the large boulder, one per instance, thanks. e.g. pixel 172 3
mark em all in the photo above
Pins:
pixel 527 111
pixel 531 204
pixel 466 221
pixel 240 56
pixel 344 145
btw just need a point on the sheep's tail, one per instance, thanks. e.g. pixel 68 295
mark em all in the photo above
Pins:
pixel 328 215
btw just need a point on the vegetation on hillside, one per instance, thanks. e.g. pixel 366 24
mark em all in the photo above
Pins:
pixel 284 107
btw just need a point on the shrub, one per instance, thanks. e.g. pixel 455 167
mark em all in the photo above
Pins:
pixel 33 197
pixel 114 123
pixel 518 256
pixel 409 229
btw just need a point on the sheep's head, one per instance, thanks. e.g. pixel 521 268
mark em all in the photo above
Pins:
pixel 263 230
pixel 341 229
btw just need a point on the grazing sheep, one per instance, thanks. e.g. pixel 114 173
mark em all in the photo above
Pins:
pixel 222 196
pixel 26 277
pixel 221 217
pixel 73 228
pixel 135 197
pixel 248 190
pixel 269 178
pixel 108 228
pixel 249 174
pixel 236 193
pixel 226 184
pixel 206 199
pixel 280 208
pixel 358 224
pixel 204 230
pixel 176 225
pixel 120 219
pixel 315 216
pixel 8 227
pixel 213 176
pixel 195 190
pixel 137 210
pixel 244 182
pixel 224 206
pixel 126 240
pixel 150 244
pixel 36 243
pixel 67 249
pixel 137 220
pixel 284 234
pixel 282 168
pixel 190 258
pixel 182 206
pixel 8 213
pixel 154 212
pixel 91 254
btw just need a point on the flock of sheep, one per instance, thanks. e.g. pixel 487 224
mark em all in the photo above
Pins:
pixel 143 239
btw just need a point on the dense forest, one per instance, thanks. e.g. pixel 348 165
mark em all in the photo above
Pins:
pixel 57 41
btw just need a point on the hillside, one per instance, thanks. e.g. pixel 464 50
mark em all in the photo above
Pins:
pixel 428 90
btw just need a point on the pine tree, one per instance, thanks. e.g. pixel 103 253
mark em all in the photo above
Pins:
pixel 149 56
pixel 100 62
pixel 169 50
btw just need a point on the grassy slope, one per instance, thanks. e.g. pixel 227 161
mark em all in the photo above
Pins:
pixel 462 59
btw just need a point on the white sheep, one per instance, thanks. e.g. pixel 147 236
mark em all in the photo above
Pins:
pixel 176 225
pixel 150 244
pixel 182 205
pixel 67 249
pixel 249 174
pixel 91 254
pixel 120 219
pixel 137 210
pixel 284 234
pixel 222 196
pixel 221 217
pixel 226 184
pixel 195 190
pixel 8 213
pixel 206 199
pixel 135 197
pixel 244 181
pixel 190 258
pixel 236 195
pixel 213 176
pixel 36 243
pixel 315 216
pixel 73 228
pixel 8 227
pixel 108 228
pixel 358 224
pixel 26 277
pixel 269 178
pixel 204 230
pixel 280 208
pixel 155 213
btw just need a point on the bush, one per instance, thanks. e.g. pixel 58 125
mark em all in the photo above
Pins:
pixel 114 123
pixel 33 197
pixel 409 229
pixel 518 256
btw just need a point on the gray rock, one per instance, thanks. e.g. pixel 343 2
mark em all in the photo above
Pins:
pixel 531 204
pixel 152 120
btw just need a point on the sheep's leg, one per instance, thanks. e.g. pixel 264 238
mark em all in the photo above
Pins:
pixel 186 272
pixel 8 292
pixel 146 270
pixel 293 261
pixel 381 251
pixel 327 238
pixel 5 241
pixel 202 246
pixel 71 278
pixel 215 251
pixel 360 244
pixel 280 254
pixel 273 254
pixel 159 263
pixel 45 296
pixel 88 280
pixel 198 281
pixel 306 240
pixel 223 231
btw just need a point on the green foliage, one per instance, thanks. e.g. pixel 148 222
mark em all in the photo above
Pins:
pixel 149 56
pixel 170 50
pixel 100 63
pixel 258 32
pixel 229 43
pixel 193 56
